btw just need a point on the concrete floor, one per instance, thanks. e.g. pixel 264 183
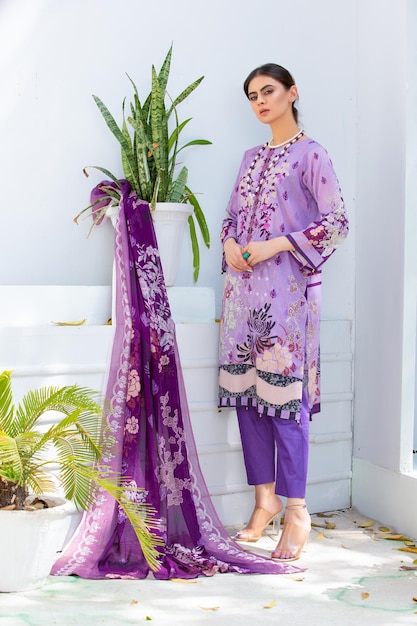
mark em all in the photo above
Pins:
pixel 354 576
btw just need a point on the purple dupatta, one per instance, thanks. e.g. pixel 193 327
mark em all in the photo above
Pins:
pixel 151 435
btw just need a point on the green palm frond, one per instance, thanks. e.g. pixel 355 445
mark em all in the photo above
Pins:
pixel 142 517
pixel 75 478
pixel 10 460
pixel 65 400
pixel 128 497
pixel 84 423
pixel 67 455
pixel 6 401
pixel 71 445
pixel 39 480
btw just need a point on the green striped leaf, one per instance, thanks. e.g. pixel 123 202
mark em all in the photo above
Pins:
pixel 159 135
pixel 201 220
pixel 117 132
pixel 177 189
pixel 195 248
pixel 184 94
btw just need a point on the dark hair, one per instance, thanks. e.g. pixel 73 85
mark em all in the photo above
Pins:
pixel 277 72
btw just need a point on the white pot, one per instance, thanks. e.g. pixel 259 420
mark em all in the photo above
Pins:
pixel 170 222
pixel 30 541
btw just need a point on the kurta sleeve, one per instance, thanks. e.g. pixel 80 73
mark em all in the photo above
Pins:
pixel 315 244
pixel 229 225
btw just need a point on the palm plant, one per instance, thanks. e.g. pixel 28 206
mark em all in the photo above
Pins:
pixel 29 454
pixel 149 152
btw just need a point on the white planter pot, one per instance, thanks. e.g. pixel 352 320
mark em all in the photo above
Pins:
pixel 170 222
pixel 30 541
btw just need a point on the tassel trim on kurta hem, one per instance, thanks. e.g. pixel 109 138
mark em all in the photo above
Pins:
pixel 263 410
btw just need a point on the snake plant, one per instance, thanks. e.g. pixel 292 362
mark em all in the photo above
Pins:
pixel 33 458
pixel 149 142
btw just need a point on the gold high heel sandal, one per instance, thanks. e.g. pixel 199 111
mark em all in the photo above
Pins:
pixel 259 520
pixel 294 535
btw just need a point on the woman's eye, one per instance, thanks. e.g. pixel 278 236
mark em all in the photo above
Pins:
pixel 252 98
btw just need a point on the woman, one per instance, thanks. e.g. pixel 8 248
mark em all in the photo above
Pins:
pixel 285 218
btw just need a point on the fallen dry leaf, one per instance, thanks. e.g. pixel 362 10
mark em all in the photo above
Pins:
pixel 393 537
pixel 408 567
pixel 209 608
pixel 325 514
pixel 413 550
pixel 414 599
pixel 298 580
pixel 73 323
pixel 367 524
pixel 320 536
pixel 365 595
pixel 187 581
pixel 384 529
pixel 270 605
pixel 327 525
pixel 134 602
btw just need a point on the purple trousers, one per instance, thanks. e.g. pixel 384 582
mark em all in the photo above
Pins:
pixel 275 450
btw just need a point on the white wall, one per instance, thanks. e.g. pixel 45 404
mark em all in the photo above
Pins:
pixel 350 61
pixel 55 55
pixel 380 231
pixel 386 261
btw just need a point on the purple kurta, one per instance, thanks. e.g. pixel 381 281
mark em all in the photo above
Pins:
pixel 269 345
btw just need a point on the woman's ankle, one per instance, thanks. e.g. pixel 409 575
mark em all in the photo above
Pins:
pixel 296 502
pixel 266 498
pixel 272 503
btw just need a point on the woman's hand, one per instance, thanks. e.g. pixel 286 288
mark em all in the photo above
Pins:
pixel 233 253
pixel 262 250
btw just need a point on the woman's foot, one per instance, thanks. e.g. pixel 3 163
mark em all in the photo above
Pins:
pixel 260 518
pixel 297 526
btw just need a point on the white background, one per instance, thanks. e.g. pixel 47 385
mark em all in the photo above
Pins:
pixel 355 65
pixel 55 55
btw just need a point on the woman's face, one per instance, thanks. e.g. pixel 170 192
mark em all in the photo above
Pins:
pixel 270 100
